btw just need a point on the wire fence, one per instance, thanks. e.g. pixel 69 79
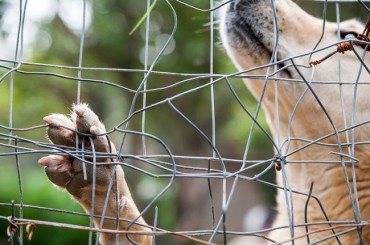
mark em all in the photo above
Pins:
pixel 157 155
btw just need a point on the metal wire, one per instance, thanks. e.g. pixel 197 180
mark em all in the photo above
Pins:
pixel 164 163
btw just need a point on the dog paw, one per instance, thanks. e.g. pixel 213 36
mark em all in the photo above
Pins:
pixel 83 129
pixel 83 132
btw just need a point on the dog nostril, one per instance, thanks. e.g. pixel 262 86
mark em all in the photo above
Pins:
pixel 236 5
pixel 233 5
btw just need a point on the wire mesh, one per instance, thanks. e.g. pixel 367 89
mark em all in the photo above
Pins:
pixel 157 156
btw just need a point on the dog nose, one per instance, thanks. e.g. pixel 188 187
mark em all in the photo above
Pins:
pixel 237 5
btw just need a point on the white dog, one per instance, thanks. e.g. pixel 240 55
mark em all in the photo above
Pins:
pixel 305 113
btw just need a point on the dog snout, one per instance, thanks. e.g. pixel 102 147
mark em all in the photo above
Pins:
pixel 239 5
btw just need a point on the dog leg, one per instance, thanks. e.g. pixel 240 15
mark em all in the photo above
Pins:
pixel 68 173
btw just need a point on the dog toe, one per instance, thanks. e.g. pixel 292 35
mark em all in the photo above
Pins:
pixel 60 130
pixel 58 169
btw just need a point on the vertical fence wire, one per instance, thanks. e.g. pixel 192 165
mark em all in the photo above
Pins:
pixel 146 58
pixel 80 56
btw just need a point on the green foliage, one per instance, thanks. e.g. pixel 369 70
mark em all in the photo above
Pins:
pixel 38 191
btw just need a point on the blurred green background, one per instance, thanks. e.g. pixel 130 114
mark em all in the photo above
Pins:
pixel 52 36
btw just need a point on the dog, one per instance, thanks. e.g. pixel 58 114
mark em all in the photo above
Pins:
pixel 313 105
pixel 308 104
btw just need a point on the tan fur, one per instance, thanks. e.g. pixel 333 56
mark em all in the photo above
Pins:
pixel 248 36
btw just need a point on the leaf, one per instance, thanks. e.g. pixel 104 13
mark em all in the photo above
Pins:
pixel 138 24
